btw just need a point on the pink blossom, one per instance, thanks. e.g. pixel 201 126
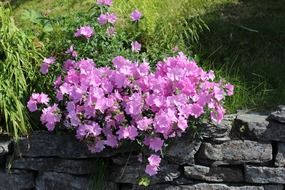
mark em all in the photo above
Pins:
pixel 154 160
pixel 103 19
pixel 88 130
pixel 111 31
pixel 196 110
pixel 136 15
pixel 152 167
pixel 136 47
pixel 47 62
pixel 151 170
pixel 71 51
pixel 229 89
pixel 50 116
pixel 144 124
pixel 32 105
pixel 85 31
pixel 104 2
pixel 127 132
pixel 182 123
pixel 155 143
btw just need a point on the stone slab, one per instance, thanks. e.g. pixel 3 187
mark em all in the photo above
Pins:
pixel 263 175
pixel 236 152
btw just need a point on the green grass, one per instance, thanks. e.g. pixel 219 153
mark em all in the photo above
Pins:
pixel 242 41
pixel 246 43
pixel 18 60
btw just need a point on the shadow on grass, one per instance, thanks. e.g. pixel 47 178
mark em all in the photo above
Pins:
pixel 247 41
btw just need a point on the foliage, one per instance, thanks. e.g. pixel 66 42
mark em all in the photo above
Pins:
pixel 18 58
pixel 106 106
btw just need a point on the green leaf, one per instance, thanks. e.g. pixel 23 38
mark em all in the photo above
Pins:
pixel 144 181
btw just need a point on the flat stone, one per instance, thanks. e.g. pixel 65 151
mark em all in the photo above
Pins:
pixel 263 175
pixel 214 174
pixel 278 115
pixel 209 186
pixel 280 157
pixel 253 126
pixel 82 166
pixel 274 132
pixel 53 180
pixel 236 152
pixel 250 126
pixel 16 180
pixel 182 150
pixel 4 147
pixel 45 144
pixel 218 131
pixel 132 173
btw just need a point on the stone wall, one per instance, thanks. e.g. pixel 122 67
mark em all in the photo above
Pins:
pixel 245 152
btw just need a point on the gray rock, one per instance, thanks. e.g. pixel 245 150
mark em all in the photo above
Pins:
pixel 182 150
pixel 274 132
pixel 280 157
pixel 278 115
pixel 218 131
pixel 264 175
pixel 236 152
pixel 256 127
pixel 214 174
pixel 82 166
pixel 4 147
pixel 132 173
pixel 16 180
pixel 45 144
pixel 53 180
pixel 209 186
pixel 249 126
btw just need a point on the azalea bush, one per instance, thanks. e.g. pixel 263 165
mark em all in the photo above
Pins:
pixel 126 101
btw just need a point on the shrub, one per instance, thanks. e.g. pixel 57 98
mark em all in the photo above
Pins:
pixel 125 100
pixel 18 58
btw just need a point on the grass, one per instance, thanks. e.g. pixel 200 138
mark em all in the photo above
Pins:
pixel 242 41
pixel 246 43
pixel 18 60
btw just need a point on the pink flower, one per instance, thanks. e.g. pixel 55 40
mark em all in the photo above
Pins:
pixel 103 19
pixel 127 132
pixel 104 2
pixel 32 105
pixel 136 47
pixel 136 15
pixel 46 64
pixel 50 116
pixel 111 31
pixel 107 18
pixel 71 51
pixel 112 18
pixel 88 130
pixel 154 160
pixel 155 143
pixel 97 147
pixel 85 31
pixel 152 167
pixel 229 89
pixel 182 123
pixel 151 170
pixel 144 124
pixel 35 99
pixel 196 110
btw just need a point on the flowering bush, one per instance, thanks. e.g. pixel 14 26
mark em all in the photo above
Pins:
pixel 106 106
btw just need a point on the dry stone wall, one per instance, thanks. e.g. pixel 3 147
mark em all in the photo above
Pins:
pixel 245 152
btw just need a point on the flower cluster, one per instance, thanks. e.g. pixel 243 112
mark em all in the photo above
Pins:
pixel 47 62
pixel 85 31
pixel 107 106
